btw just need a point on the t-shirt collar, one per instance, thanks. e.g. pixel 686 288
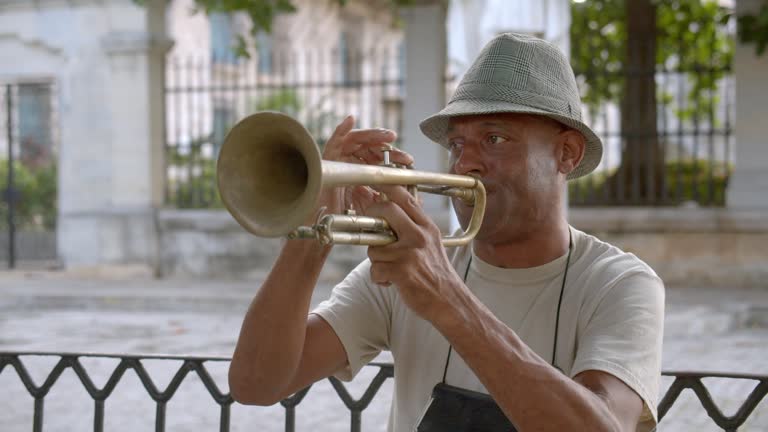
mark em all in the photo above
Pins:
pixel 521 275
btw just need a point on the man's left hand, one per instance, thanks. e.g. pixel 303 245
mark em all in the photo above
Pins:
pixel 417 262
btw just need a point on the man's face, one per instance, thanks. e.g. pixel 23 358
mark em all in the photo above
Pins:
pixel 515 156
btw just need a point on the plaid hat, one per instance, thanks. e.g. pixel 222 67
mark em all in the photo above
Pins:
pixel 517 73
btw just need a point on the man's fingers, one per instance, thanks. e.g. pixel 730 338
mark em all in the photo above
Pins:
pixel 343 128
pixel 363 145
pixel 385 253
pixel 367 137
pixel 376 155
pixel 361 197
pixel 334 148
pixel 373 155
pixel 400 157
pixel 398 220
pixel 404 200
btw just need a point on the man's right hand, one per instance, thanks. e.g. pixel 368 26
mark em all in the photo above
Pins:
pixel 362 146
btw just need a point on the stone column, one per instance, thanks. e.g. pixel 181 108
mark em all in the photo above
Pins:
pixel 425 54
pixel 749 181
pixel 112 182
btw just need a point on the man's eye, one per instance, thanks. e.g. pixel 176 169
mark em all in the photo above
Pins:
pixel 454 146
pixel 495 139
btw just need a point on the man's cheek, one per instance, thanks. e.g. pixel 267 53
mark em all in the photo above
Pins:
pixel 452 165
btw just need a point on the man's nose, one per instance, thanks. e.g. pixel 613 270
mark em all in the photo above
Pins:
pixel 469 161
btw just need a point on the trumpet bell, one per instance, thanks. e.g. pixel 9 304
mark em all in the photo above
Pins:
pixel 269 174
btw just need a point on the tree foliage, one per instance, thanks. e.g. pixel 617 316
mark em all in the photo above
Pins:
pixel 691 38
pixel 754 29
pixel 36 193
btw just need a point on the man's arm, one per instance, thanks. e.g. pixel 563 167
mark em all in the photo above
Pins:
pixel 534 395
pixel 280 350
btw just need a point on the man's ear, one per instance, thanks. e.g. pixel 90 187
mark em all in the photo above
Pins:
pixel 573 144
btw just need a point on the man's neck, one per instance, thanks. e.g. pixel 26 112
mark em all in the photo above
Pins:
pixel 534 249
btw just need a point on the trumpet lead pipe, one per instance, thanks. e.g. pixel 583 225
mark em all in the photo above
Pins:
pixel 346 174
pixel 357 223
pixel 466 195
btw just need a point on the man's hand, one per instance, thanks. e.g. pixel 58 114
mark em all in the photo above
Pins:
pixel 363 146
pixel 417 262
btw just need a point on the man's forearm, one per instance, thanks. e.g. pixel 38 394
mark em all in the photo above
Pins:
pixel 533 394
pixel 273 331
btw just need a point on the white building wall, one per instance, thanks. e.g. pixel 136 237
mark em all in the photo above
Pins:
pixel 305 51
pixel 99 53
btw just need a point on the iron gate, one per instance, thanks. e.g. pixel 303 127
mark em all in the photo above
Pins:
pixel 28 173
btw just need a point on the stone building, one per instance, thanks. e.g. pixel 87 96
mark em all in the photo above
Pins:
pixel 107 67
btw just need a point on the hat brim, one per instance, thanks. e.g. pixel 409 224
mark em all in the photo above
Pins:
pixel 435 127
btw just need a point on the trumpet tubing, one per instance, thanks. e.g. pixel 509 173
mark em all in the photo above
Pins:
pixel 270 174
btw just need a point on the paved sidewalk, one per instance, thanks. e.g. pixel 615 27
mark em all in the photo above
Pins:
pixel 706 329
pixel 54 289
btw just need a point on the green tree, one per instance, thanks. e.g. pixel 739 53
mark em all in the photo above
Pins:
pixel 616 47
pixel 754 29
pixel 35 208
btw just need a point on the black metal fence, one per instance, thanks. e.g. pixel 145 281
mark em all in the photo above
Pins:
pixel 197 365
pixel 28 172
pixel 687 158
pixel 205 98
pixel 683 154
pixel 657 87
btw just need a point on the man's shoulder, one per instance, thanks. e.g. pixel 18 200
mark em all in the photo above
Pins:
pixel 603 258
pixel 603 267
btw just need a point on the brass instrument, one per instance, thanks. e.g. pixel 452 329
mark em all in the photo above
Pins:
pixel 270 172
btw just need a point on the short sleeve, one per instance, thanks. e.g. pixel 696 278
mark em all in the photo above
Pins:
pixel 359 312
pixel 623 337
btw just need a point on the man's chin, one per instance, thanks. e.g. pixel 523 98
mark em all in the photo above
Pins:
pixel 485 233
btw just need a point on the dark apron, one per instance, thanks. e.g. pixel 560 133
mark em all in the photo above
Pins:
pixel 456 409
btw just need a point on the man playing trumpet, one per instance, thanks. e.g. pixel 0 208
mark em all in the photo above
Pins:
pixel 562 330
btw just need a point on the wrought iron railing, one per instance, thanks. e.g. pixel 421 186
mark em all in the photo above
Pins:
pixel 692 380
pixel 206 97
pixel 682 381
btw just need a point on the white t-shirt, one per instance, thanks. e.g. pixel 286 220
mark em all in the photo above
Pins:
pixel 611 320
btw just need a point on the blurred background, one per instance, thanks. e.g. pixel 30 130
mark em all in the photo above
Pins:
pixel 113 237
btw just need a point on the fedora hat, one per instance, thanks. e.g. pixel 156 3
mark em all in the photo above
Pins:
pixel 517 73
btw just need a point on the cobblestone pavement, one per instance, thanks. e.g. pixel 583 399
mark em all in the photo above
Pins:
pixel 706 329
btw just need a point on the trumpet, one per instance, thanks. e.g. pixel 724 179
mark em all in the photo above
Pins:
pixel 270 173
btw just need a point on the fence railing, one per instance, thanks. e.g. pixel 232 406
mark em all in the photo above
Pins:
pixel 205 98
pixel 682 381
pixel 671 146
pixel 683 155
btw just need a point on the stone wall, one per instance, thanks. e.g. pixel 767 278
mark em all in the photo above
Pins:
pixel 210 244
pixel 106 60
pixel 691 247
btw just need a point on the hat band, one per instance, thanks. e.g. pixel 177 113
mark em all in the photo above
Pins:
pixel 501 93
